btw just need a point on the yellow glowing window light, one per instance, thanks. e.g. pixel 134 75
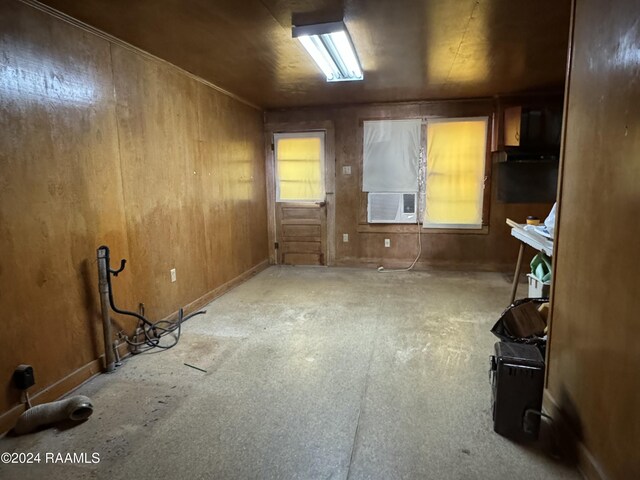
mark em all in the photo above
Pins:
pixel 456 153
pixel 299 167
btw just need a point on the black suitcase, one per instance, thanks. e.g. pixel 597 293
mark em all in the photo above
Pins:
pixel 517 380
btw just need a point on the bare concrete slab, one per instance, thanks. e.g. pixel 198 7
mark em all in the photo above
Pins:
pixel 311 373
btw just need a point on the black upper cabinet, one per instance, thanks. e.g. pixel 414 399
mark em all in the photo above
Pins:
pixel 540 128
pixel 526 146
pixel 530 125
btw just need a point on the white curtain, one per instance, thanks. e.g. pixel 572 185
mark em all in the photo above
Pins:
pixel 391 155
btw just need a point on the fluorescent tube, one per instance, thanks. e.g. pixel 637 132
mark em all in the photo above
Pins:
pixel 332 51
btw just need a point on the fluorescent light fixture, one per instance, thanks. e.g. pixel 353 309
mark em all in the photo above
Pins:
pixel 331 48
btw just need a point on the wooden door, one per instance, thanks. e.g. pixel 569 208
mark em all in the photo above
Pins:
pixel 300 207
pixel 301 233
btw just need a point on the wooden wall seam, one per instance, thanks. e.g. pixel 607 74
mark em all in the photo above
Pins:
pixel 115 103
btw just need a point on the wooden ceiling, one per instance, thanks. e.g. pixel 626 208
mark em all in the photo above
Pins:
pixel 409 49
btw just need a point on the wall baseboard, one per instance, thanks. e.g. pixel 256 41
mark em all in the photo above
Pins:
pixel 426 265
pixel 222 289
pixel 85 373
pixel 54 391
pixel 586 463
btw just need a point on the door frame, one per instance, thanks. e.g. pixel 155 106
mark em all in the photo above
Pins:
pixel 329 180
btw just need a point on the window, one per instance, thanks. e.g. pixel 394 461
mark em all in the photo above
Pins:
pixel 391 169
pixel 391 155
pixel 299 167
pixel 455 166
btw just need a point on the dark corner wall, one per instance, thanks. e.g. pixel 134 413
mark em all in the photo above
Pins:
pixel 491 249
pixel 101 144
pixel 594 353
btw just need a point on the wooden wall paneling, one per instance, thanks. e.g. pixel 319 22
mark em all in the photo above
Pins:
pixel 347 154
pixel 253 123
pixel 594 355
pixel 104 144
pixel 208 189
pixel 229 228
pixel 235 203
pixel 234 219
pixel 237 135
pixel 60 194
pixel 490 248
pixel 157 123
pixel 216 228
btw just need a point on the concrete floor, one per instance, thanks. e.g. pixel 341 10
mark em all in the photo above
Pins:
pixel 312 373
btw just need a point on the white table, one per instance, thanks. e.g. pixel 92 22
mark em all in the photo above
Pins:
pixel 534 240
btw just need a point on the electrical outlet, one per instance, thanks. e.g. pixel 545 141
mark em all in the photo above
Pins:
pixel 346 170
pixel 387 242
pixel 345 237
pixel 173 275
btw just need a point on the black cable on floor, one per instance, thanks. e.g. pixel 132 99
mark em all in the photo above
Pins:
pixel 151 332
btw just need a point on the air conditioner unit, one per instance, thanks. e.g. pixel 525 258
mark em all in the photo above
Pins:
pixel 392 208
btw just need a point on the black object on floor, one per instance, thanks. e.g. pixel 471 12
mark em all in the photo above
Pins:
pixel 517 380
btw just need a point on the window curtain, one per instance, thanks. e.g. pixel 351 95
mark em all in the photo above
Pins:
pixel 391 155
pixel 456 151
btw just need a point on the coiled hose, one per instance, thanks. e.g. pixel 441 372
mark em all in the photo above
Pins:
pixel 153 332
pixel 150 332
pixel 76 408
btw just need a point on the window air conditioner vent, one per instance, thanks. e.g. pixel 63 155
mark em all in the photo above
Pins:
pixel 392 208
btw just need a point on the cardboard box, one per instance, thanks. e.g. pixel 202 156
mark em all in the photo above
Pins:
pixel 525 320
